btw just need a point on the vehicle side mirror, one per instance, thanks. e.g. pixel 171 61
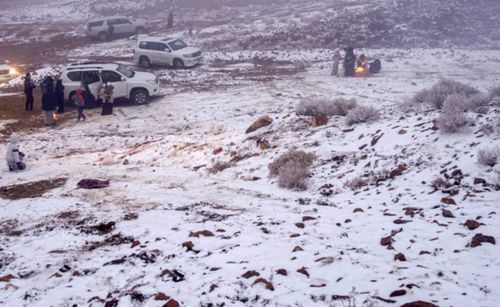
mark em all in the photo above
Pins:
pixel 124 79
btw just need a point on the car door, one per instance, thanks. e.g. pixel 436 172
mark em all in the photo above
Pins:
pixel 118 81
pixel 119 25
pixel 92 79
pixel 167 56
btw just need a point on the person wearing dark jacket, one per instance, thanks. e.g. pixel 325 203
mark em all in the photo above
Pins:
pixel 349 62
pixel 28 91
pixel 59 95
pixel 48 101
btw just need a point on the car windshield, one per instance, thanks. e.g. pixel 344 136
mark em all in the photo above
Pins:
pixel 177 44
pixel 127 72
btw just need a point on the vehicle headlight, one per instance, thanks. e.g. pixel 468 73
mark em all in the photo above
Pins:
pixel 13 71
pixel 152 82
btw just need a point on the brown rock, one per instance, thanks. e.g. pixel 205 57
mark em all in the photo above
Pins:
pixel 300 225
pixel 398 171
pixel 262 121
pixel 478 239
pixel 160 296
pixel 297 249
pixel 172 303
pixel 282 272
pixel 400 292
pixel 7 278
pixel 472 224
pixel 250 274
pixel 295 235
pixel 480 181
pixel 402 131
pixel 263 144
pixel 447 213
pixel 188 245
pixel 308 218
pixel 399 257
pixel 268 284
pixel 375 139
pixel 135 243
pixel 358 210
pixel 204 233
pixel 212 287
pixel 319 120
pixel 386 241
pixel 303 270
pixel 419 304
pixel 448 201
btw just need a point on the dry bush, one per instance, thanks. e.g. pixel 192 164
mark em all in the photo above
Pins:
pixel 316 107
pixel 362 114
pixel 292 169
pixel 488 156
pixel 477 103
pixel 219 166
pixel 453 116
pixel 357 183
pixel 438 93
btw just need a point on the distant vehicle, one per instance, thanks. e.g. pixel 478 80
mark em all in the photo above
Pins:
pixel 165 51
pixel 7 72
pixel 137 87
pixel 99 27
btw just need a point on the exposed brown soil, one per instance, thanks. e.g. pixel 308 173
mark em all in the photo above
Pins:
pixel 31 189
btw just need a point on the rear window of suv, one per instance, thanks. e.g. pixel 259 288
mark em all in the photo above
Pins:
pixel 95 24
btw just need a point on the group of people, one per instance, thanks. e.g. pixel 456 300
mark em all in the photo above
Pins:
pixel 353 65
pixel 52 97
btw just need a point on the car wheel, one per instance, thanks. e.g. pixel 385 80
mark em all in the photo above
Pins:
pixel 140 30
pixel 144 62
pixel 139 96
pixel 71 98
pixel 103 36
pixel 178 64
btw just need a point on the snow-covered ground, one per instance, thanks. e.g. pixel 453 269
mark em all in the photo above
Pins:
pixel 327 239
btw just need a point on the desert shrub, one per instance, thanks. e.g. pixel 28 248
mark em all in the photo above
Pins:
pixel 357 183
pixel 477 103
pixel 362 114
pixel 438 93
pixel 315 107
pixel 488 156
pixel 453 117
pixel 292 169
pixel 219 166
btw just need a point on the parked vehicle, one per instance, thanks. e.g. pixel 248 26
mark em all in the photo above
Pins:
pixel 137 87
pixel 166 51
pixel 99 27
pixel 7 72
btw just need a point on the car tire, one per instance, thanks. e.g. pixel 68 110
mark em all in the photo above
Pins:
pixel 140 30
pixel 102 36
pixel 139 96
pixel 178 64
pixel 71 98
pixel 144 62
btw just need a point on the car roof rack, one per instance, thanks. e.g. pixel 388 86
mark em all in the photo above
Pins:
pixel 89 63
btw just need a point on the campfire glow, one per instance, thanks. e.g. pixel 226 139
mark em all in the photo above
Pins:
pixel 54 115
pixel 360 70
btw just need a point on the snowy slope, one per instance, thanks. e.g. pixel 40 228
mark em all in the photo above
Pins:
pixel 157 158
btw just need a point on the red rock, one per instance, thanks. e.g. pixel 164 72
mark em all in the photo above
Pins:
pixel 250 274
pixel 479 238
pixel 447 213
pixel 386 241
pixel 282 272
pixel 172 303
pixel 400 292
pixel 472 224
pixel 7 278
pixel 135 243
pixel 319 120
pixel 160 296
pixel 217 151
pixel 399 257
pixel 303 270
pixel 268 284
pixel 448 201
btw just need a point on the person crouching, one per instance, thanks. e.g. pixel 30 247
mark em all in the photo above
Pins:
pixel 14 157
pixel 106 95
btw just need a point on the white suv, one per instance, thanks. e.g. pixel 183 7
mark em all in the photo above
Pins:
pixel 99 27
pixel 165 51
pixel 138 87
pixel 7 72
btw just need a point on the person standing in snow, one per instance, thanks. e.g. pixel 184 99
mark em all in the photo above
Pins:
pixel 14 157
pixel 111 32
pixel 336 62
pixel 106 95
pixel 48 101
pixel 59 95
pixel 79 100
pixel 28 91
pixel 349 62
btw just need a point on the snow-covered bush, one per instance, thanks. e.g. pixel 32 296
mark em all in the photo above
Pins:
pixel 362 114
pixel 488 156
pixel 453 116
pixel 320 106
pixel 438 93
pixel 292 169
pixel 477 103
pixel 357 183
